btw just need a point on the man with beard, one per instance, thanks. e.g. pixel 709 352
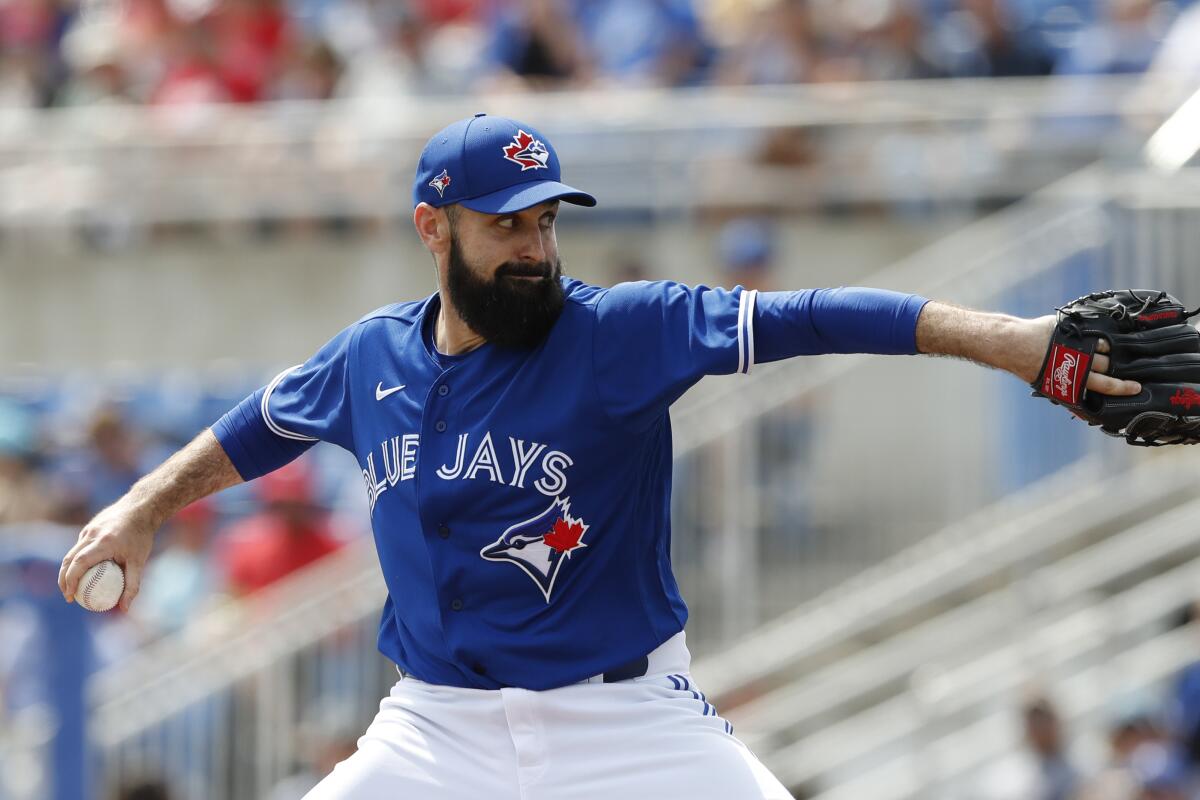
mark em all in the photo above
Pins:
pixel 513 435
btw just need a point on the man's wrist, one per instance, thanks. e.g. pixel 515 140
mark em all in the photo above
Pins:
pixel 1013 344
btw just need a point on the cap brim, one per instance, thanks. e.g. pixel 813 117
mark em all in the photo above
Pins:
pixel 526 195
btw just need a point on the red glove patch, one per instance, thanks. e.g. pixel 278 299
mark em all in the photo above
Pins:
pixel 1066 374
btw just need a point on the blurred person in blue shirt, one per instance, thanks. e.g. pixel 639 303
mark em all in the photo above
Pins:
pixel 1123 41
pixel 747 252
pixel 23 494
pixel 1161 774
pixel 984 39
pixel 184 579
pixel 537 43
pixel 110 463
pixel 645 42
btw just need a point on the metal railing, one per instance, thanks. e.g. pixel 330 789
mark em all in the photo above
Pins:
pixel 938 739
pixel 228 708
pixel 1036 614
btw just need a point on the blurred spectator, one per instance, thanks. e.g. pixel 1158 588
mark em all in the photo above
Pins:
pixel 443 11
pixel 982 40
pixel 23 494
pixel 1124 40
pixel 1056 777
pixel 290 532
pixel 1183 705
pixel 187 52
pixel 313 73
pixel 780 47
pixel 1130 731
pixel 30 31
pixel 1160 774
pixel 747 251
pixel 537 43
pixel 98 75
pixel 899 47
pixel 1045 772
pixel 384 52
pixel 113 461
pixel 191 75
pixel 644 42
pixel 250 40
pixel 180 581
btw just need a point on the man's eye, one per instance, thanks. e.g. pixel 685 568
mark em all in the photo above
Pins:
pixel 507 222
pixel 547 221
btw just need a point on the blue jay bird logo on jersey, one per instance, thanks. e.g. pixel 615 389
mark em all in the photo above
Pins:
pixel 541 545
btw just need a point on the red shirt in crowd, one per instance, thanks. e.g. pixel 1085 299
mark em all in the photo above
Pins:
pixel 264 548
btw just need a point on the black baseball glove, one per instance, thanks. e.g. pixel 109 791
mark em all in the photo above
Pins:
pixel 1150 342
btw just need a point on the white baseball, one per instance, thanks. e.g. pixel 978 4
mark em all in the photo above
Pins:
pixel 101 586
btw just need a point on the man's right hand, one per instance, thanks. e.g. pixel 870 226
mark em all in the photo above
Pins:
pixel 119 533
pixel 124 532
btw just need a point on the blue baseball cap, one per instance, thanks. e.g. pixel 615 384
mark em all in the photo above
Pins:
pixel 492 165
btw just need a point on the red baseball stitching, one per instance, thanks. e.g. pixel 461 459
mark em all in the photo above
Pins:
pixel 95 580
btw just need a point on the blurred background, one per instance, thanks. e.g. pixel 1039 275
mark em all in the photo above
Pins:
pixel 907 579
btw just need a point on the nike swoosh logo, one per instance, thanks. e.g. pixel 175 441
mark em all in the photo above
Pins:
pixel 381 393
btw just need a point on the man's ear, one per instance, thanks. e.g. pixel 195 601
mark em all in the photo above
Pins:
pixel 433 226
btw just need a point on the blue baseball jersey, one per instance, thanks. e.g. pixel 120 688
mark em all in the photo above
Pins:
pixel 520 499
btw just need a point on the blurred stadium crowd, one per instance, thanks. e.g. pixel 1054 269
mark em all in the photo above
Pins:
pixel 72 52
pixel 59 467
pixel 1153 748
pixel 61 461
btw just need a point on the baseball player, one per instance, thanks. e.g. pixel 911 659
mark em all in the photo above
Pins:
pixel 515 446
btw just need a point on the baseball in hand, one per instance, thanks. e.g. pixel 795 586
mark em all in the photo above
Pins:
pixel 101 586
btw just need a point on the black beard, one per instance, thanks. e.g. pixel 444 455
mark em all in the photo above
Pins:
pixel 508 312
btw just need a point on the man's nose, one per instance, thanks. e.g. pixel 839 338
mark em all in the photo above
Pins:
pixel 533 248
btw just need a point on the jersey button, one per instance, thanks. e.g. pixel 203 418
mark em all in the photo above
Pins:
pixel 456 604
pixel 443 390
pixel 440 426
pixel 444 531
pixel 478 669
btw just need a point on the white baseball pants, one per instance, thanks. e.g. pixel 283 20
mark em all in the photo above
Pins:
pixel 648 738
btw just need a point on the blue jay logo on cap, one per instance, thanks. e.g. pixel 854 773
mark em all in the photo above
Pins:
pixel 440 183
pixel 527 151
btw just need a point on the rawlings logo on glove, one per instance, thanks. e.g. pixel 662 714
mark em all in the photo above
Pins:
pixel 1151 342
pixel 1065 383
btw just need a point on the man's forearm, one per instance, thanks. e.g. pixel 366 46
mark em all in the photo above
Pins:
pixel 1009 343
pixel 197 470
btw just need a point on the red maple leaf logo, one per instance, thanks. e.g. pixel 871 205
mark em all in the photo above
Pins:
pixel 565 536
pixel 522 141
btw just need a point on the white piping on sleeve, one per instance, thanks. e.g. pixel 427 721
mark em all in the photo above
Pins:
pixel 275 427
pixel 745 330
pixel 750 301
